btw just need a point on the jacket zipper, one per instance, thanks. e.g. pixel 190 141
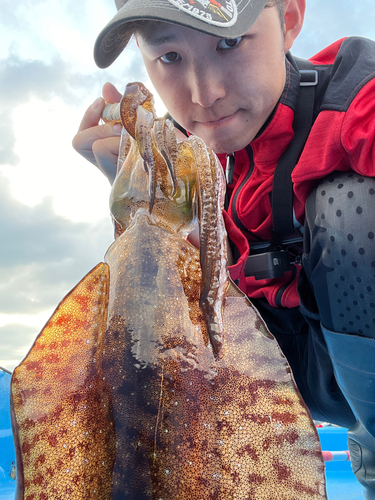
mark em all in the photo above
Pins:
pixel 234 201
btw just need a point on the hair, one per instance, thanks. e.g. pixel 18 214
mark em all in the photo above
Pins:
pixel 138 27
pixel 280 7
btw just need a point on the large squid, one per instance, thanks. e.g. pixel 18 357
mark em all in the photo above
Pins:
pixel 155 378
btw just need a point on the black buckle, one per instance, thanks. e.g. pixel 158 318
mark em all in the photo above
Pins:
pixel 309 77
pixel 268 265
pixel 275 262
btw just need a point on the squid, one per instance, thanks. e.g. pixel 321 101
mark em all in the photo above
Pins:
pixel 156 378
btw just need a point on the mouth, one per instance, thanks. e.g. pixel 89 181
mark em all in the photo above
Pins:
pixel 224 120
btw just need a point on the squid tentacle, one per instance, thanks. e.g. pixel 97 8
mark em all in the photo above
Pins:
pixel 143 135
pixel 137 114
pixel 213 244
pixel 136 95
pixel 137 107
pixel 166 143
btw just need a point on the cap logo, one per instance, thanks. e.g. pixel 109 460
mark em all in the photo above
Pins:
pixel 223 13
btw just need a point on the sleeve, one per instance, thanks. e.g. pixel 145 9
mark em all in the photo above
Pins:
pixel 339 140
pixel 358 131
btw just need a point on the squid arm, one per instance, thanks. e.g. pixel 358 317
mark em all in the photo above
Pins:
pixel 137 114
pixel 213 246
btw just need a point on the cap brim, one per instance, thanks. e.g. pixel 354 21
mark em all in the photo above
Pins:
pixel 116 35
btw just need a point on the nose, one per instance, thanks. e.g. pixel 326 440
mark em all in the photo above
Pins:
pixel 206 84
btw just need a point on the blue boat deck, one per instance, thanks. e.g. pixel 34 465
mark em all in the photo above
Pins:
pixel 7 453
pixel 341 482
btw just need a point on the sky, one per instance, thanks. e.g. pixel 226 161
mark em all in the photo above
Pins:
pixel 54 217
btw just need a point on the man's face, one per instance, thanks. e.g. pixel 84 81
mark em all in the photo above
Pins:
pixel 222 90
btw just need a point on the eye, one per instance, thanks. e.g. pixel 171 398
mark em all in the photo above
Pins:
pixel 170 57
pixel 229 43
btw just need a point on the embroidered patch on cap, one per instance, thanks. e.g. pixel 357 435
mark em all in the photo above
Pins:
pixel 220 13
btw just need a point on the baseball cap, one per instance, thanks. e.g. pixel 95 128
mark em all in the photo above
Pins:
pixel 221 18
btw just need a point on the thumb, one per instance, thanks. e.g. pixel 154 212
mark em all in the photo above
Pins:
pixel 110 93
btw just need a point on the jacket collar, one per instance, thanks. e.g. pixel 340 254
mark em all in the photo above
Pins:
pixel 276 135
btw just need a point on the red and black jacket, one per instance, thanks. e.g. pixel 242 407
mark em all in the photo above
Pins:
pixel 342 138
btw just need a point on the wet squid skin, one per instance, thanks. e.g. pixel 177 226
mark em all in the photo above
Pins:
pixel 131 391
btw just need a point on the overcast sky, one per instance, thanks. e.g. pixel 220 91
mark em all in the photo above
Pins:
pixel 54 220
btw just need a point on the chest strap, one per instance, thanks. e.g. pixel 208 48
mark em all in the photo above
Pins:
pixel 282 190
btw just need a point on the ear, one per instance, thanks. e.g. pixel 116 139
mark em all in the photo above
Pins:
pixel 294 13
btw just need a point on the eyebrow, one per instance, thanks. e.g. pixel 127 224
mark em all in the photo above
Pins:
pixel 159 40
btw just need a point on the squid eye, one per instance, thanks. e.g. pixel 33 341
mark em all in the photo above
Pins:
pixel 229 43
pixel 170 57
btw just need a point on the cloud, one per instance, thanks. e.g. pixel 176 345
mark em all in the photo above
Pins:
pixel 16 340
pixel 9 16
pixel 7 141
pixel 43 255
pixel 22 79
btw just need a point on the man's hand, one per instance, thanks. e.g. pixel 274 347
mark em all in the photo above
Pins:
pixel 100 144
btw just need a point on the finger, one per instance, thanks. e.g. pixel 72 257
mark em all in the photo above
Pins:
pixel 193 237
pixel 105 152
pixel 110 93
pixel 84 139
pixel 92 115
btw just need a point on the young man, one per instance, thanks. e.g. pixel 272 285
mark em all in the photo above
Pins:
pixel 225 73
